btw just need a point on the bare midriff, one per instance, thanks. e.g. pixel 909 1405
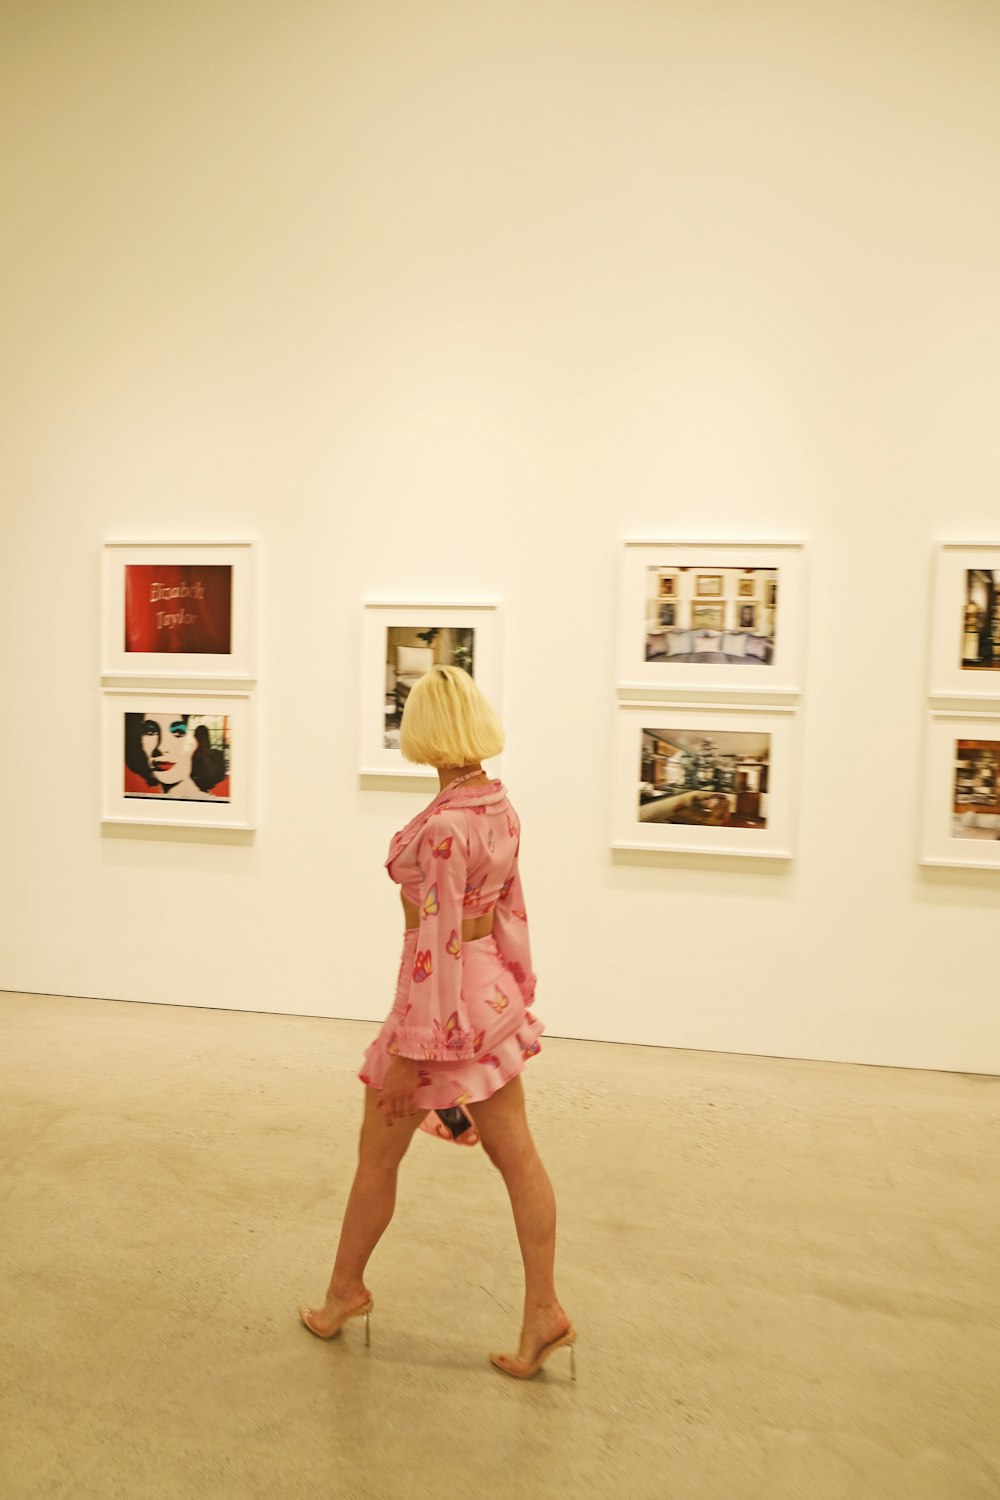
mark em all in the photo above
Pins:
pixel 473 928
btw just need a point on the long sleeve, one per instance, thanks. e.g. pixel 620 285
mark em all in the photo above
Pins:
pixel 510 927
pixel 436 1025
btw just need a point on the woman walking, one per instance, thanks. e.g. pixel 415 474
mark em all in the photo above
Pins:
pixel 452 1049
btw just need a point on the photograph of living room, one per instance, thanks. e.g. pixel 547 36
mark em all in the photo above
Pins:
pixel 705 615
pixel 976 807
pixel 410 652
pixel 981 620
pixel 717 779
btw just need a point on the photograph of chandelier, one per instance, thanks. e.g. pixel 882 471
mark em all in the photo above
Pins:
pixel 696 777
pixel 705 779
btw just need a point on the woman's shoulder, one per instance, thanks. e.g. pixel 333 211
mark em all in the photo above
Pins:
pixel 464 811
pixel 444 819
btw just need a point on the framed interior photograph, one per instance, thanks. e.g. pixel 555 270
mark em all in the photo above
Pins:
pixel 705 779
pixel 179 610
pixel 177 757
pixel 400 643
pixel 732 628
pixel 965 622
pixel 961 812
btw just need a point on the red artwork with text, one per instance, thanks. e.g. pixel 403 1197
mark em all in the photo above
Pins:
pixel 179 610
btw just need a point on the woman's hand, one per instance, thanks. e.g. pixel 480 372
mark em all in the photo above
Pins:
pixel 397 1092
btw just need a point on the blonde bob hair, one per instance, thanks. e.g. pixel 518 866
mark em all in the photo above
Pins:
pixel 447 721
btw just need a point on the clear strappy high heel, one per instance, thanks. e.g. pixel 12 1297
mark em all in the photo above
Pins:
pixel 364 1311
pixel 565 1340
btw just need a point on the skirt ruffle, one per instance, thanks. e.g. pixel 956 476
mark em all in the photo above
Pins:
pixel 509 1038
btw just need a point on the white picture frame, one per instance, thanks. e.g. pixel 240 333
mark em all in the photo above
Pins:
pixel 960 825
pixel 138 776
pixel 671 635
pixel 393 656
pixel 754 782
pixel 201 593
pixel 960 590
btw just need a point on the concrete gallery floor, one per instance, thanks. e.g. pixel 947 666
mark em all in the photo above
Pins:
pixel 784 1275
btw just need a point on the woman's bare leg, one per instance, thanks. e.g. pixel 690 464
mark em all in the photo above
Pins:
pixel 369 1210
pixel 503 1129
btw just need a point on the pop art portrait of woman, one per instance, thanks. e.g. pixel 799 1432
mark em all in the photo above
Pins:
pixel 181 756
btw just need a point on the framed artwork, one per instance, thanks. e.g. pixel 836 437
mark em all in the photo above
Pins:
pixel 741 641
pixel 667 588
pixel 179 610
pixel 705 779
pixel 177 757
pixel 400 643
pixel 707 616
pixel 961 813
pixel 965 622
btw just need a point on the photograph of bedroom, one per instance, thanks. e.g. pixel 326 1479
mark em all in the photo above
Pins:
pixel 719 779
pixel 708 614
pixel 409 653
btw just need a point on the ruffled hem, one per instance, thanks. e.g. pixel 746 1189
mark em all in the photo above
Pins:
pixel 445 1084
pixel 419 1045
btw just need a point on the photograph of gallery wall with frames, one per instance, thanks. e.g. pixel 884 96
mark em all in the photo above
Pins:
pixel 178 666
pixel 712 615
pixel 725 616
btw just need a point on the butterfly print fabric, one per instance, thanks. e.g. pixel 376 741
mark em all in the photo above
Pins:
pixel 462 1007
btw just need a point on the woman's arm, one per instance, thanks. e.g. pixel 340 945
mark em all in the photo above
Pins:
pixel 436 1025
pixel 510 928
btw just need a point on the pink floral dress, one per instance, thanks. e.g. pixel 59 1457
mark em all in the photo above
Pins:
pixel 461 1009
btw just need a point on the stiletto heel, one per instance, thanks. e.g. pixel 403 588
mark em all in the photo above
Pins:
pixel 365 1311
pixel 565 1340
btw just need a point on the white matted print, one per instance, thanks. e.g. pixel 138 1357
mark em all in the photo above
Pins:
pixel 705 779
pixel 177 757
pixel 403 641
pixel 719 616
pixel 181 610
pixel 965 622
pixel 961 818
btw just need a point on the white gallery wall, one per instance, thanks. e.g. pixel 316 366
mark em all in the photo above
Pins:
pixel 441 301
